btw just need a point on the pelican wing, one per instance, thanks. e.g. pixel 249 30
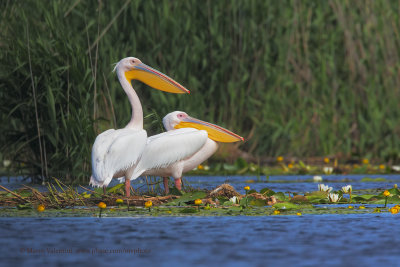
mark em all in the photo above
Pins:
pixel 170 147
pixel 115 151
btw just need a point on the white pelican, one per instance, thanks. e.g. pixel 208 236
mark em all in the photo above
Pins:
pixel 163 153
pixel 115 152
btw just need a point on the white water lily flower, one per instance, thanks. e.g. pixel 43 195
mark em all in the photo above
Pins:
pixel 234 200
pixel 206 167
pixel 327 170
pixel 6 163
pixel 317 179
pixel 347 189
pixel 324 188
pixel 333 197
pixel 396 168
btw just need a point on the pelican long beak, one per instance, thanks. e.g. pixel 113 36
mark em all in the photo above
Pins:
pixel 215 132
pixel 155 79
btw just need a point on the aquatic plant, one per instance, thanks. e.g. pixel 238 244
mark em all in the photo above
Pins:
pixel 148 204
pixel 333 197
pixel 394 210
pixel 386 193
pixel 317 179
pixel 40 208
pixel 324 188
pixel 198 202
pixel 234 200
pixel 101 206
pixel 347 190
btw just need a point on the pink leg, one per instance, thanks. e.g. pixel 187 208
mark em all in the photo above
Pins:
pixel 127 187
pixel 178 183
pixel 166 187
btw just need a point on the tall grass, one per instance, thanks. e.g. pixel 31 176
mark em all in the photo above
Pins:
pixel 300 78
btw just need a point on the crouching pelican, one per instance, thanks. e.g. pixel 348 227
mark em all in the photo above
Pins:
pixel 195 137
pixel 115 153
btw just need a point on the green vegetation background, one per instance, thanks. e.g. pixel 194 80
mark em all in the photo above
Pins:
pixel 296 78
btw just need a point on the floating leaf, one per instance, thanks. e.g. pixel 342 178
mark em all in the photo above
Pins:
pixel 189 210
pixel 267 192
pixel 24 206
pixel 280 196
pixel 187 198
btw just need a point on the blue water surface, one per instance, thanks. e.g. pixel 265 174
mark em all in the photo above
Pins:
pixel 370 239
pixel 310 240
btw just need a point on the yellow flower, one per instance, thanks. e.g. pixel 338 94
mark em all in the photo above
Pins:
pixel 298 214
pixel 119 201
pixel 382 167
pixel 247 188
pixel 148 204
pixel 200 167
pixel 394 210
pixel 350 207
pixel 198 202
pixel 326 160
pixel 386 193
pixel 40 208
pixel 169 212
pixel 365 161
pixel 276 212
pixel 377 210
pixel 279 159
pixel 395 186
pixel 361 207
pixel 102 205
pixel 290 165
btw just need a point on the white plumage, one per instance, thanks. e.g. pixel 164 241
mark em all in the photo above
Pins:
pixel 163 150
pixel 181 149
pixel 115 153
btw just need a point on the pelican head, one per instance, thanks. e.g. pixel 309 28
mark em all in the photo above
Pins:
pixel 179 119
pixel 133 69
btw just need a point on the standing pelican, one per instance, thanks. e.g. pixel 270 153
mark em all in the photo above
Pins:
pixel 115 153
pixel 188 133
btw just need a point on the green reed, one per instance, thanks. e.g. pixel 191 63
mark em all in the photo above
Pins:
pixel 300 78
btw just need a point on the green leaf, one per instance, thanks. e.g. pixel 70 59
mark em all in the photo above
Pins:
pixel 24 206
pixel 316 195
pixel 288 205
pixel 189 210
pixel 280 196
pixel 115 188
pixel 186 198
pixel 267 192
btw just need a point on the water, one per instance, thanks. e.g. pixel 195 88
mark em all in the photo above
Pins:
pixel 331 240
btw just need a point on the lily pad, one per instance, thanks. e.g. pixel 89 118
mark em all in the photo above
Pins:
pixel 267 192
pixel 288 205
pixel 280 196
pixel 189 210
pixel 316 195
pixel 186 198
